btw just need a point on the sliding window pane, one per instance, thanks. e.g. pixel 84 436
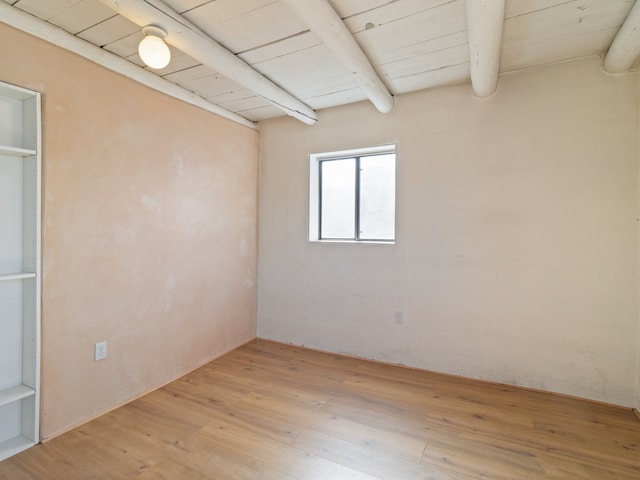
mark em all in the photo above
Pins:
pixel 377 197
pixel 338 190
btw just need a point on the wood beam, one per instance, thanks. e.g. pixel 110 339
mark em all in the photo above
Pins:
pixel 323 20
pixel 20 20
pixel 485 21
pixel 185 36
pixel 625 49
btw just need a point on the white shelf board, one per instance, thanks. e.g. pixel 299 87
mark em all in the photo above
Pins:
pixel 14 445
pixel 13 91
pixel 13 394
pixel 15 151
pixel 5 277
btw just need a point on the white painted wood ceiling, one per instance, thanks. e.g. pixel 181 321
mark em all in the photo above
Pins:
pixel 412 44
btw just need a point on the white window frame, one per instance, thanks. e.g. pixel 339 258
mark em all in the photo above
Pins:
pixel 314 188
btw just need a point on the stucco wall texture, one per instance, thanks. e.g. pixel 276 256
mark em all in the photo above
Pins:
pixel 149 232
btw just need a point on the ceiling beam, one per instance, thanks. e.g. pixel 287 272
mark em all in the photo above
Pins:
pixel 485 21
pixel 625 49
pixel 185 36
pixel 20 20
pixel 323 20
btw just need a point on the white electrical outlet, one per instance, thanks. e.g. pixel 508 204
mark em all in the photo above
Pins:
pixel 398 317
pixel 100 351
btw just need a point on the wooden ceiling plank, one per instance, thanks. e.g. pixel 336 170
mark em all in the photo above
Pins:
pixel 230 96
pixel 243 26
pixel 136 60
pixel 220 11
pixel 304 66
pixel 182 6
pixel 45 10
pixel 39 28
pixel 427 62
pixel 515 8
pixel 401 11
pixel 393 40
pixel 349 8
pixel 416 43
pixel 565 19
pixel 185 36
pixel 262 113
pixel 210 86
pixel 625 49
pixel 286 46
pixel 485 21
pixel 557 49
pixel 568 30
pixel 109 31
pixel 311 69
pixel 446 75
pixel 82 16
pixel 126 46
pixel 192 73
pixel 335 98
pixel 243 104
pixel 420 51
pixel 337 83
pixel 323 20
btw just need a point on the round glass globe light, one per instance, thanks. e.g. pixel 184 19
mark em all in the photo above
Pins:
pixel 154 52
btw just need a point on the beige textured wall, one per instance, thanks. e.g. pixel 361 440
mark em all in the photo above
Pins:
pixel 516 244
pixel 149 232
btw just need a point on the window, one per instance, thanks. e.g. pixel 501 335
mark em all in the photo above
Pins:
pixel 352 195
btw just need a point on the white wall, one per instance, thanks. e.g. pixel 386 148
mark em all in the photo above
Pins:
pixel 516 244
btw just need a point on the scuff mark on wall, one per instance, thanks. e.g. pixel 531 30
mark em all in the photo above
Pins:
pixel 148 201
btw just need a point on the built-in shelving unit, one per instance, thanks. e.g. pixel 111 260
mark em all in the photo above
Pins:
pixel 19 268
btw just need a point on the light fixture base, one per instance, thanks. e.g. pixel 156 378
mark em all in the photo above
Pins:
pixel 154 31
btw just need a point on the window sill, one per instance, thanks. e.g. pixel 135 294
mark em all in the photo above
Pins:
pixel 356 242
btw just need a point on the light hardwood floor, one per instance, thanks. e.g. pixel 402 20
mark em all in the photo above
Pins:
pixel 273 412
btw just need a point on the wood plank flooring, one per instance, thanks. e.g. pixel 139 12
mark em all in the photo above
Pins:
pixel 273 412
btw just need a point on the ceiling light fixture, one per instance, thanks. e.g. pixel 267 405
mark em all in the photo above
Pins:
pixel 152 49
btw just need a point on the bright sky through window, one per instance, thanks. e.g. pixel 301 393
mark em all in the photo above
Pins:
pixel 352 195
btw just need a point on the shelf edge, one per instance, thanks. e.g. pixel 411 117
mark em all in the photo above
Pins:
pixel 5 277
pixel 16 152
pixel 13 394
pixel 14 445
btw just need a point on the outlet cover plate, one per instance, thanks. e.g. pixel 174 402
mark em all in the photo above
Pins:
pixel 100 351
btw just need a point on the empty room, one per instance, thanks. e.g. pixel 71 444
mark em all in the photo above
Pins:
pixel 319 239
